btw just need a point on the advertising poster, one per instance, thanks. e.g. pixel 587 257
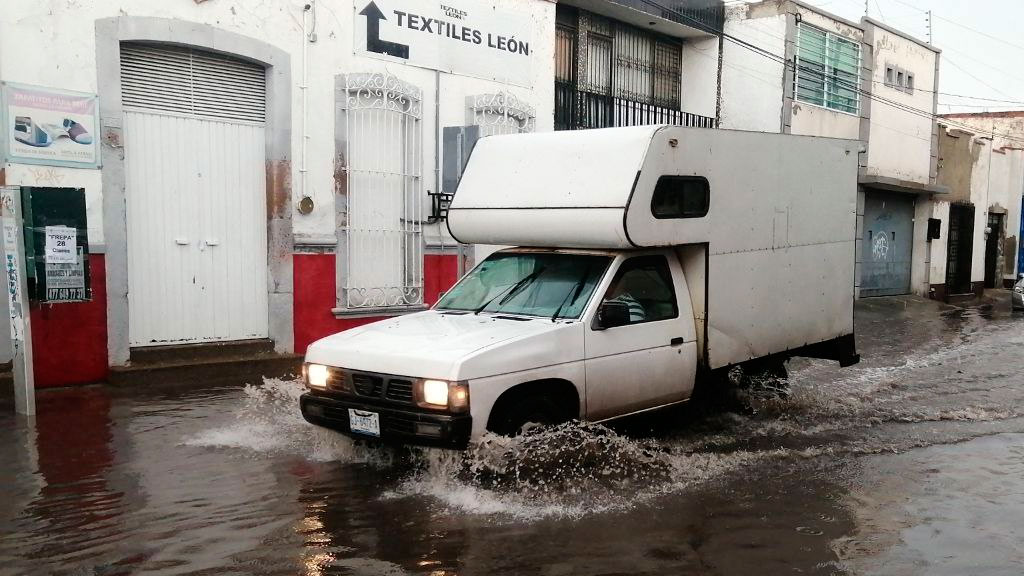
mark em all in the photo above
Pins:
pixel 50 127
pixel 65 282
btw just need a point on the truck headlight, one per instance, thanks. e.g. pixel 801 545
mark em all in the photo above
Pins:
pixel 316 375
pixel 435 392
pixel 442 394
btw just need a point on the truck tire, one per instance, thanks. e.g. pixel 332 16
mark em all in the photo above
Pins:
pixel 526 413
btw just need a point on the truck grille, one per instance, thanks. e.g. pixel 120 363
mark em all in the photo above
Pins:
pixel 371 385
pixel 399 390
pixel 367 384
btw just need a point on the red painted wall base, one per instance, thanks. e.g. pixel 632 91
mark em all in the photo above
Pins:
pixel 69 341
pixel 315 294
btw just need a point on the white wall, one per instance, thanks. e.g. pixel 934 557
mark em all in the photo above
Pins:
pixel 752 84
pixel 900 141
pixel 700 76
pixel 69 62
pixel 811 120
pixel 939 252
pixel 920 282
pixel 980 192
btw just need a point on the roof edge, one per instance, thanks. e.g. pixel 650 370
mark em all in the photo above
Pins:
pixel 900 33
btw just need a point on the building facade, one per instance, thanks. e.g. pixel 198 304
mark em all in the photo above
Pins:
pixel 622 63
pixel 796 69
pixel 268 171
pixel 980 160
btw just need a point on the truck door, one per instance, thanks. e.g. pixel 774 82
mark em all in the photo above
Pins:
pixel 651 360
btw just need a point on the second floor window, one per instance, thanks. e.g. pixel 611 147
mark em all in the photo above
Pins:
pixel 828 70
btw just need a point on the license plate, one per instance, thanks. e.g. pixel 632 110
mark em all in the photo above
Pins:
pixel 364 422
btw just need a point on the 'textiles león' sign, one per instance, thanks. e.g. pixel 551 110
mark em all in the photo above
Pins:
pixel 473 38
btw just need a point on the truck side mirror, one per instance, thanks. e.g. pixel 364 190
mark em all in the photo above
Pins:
pixel 611 314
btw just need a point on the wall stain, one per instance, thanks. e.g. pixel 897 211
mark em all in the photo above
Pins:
pixel 279 189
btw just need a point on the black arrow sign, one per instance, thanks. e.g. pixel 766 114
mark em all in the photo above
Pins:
pixel 373 41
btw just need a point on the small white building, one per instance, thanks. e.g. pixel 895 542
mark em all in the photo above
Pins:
pixel 814 73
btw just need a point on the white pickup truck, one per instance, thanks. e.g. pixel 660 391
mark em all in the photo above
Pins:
pixel 649 259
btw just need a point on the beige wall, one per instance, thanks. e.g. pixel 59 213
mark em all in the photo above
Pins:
pixel 900 141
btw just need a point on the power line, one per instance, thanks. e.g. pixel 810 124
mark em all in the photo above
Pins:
pixel 964 26
pixel 979 80
pixel 850 86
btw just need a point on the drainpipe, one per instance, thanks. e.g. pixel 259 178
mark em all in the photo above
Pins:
pixel 308 37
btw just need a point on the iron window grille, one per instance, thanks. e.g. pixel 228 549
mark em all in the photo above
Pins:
pixel 500 113
pixel 828 70
pixel 608 73
pixel 380 248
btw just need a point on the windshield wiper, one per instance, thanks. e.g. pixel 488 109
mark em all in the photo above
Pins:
pixel 575 293
pixel 512 290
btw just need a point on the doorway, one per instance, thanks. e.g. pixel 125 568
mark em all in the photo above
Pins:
pixel 195 159
pixel 888 244
pixel 960 243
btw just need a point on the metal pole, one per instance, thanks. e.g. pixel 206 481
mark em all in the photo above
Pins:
pixel 17 291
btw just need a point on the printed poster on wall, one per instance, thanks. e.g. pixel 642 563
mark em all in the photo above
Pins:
pixel 51 127
pixel 469 38
pixel 61 243
pixel 65 282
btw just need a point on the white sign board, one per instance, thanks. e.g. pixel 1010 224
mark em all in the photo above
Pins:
pixel 51 127
pixel 61 245
pixel 469 38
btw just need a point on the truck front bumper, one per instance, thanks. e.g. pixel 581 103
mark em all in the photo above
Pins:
pixel 403 425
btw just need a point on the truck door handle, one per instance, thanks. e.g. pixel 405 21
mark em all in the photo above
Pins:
pixel 677 341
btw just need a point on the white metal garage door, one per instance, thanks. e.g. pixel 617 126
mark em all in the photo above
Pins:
pixel 196 200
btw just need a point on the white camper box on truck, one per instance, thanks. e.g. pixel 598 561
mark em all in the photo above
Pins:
pixel 646 258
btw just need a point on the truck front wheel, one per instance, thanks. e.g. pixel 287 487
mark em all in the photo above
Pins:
pixel 521 415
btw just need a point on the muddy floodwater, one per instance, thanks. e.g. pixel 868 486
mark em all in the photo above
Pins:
pixel 910 463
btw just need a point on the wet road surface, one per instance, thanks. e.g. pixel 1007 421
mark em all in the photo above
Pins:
pixel 910 463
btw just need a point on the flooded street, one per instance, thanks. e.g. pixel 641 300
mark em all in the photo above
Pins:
pixel 911 462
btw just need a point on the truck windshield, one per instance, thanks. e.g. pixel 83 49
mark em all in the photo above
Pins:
pixel 528 283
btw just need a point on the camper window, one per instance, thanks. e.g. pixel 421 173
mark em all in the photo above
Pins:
pixel 680 197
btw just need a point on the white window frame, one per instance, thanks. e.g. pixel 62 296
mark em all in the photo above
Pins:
pixel 368 105
pixel 500 113
pixel 829 80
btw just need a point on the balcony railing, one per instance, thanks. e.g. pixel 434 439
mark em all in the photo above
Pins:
pixel 575 109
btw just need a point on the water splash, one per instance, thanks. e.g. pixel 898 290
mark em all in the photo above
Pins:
pixel 571 470
pixel 268 421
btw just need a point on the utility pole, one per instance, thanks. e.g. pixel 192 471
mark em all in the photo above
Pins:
pixel 867 14
pixel 13 248
pixel 928 23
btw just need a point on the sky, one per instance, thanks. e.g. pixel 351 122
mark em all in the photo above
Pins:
pixel 980 41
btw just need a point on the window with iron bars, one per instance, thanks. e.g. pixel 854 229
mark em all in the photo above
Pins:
pixel 608 73
pixel 380 251
pixel 828 70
